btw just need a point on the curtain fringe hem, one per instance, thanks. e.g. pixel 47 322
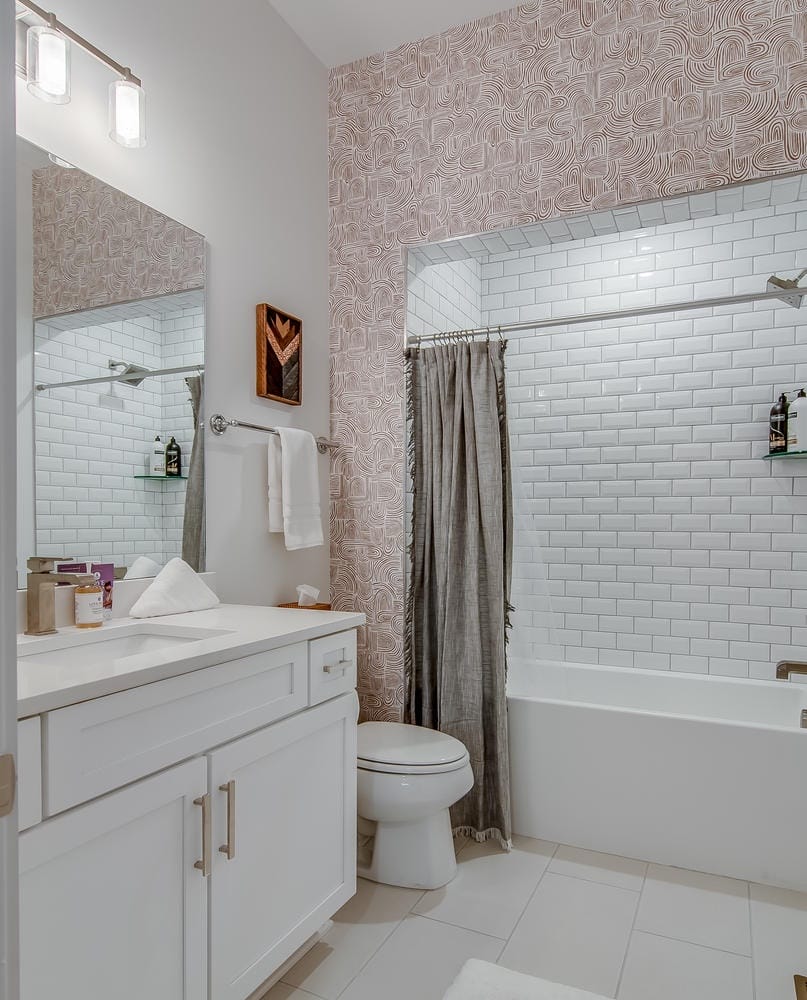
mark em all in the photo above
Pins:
pixel 480 836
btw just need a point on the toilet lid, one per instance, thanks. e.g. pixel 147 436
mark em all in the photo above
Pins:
pixel 394 743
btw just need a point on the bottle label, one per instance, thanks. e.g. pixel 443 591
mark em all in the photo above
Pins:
pixel 89 608
pixel 778 438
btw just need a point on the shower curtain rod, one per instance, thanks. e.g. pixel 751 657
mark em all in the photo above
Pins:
pixel 576 320
pixel 136 376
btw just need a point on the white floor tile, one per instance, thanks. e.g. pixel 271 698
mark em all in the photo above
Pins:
pixel 359 930
pixel 608 868
pixel 574 932
pixel 779 936
pixel 702 909
pixel 419 960
pixel 284 992
pixel 491 888
pixel 660 968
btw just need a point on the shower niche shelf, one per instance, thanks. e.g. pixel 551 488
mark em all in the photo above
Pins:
pixel 785 454
pixel 170 479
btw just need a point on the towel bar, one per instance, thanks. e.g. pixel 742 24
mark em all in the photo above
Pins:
pixel 219 424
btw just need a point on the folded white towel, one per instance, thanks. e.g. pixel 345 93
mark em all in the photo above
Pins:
pixel 142 567
pixel 175 590
pixel 275 484
pixel 482 981
pixel 293 488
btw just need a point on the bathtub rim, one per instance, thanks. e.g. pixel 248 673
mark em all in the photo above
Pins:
pixel 771 685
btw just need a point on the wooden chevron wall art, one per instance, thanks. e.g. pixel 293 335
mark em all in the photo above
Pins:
pixel 279 338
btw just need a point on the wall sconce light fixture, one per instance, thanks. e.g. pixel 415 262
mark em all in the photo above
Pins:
pixel 47 73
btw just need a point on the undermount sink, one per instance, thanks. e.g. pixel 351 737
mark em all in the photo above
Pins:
pixel 109 644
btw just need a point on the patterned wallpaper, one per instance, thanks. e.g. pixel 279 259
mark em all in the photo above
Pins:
pixel 94 245
pixel 549 109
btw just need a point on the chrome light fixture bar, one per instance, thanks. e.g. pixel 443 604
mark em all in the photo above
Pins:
pixel 48 75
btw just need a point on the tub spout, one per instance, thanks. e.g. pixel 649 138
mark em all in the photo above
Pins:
pixel 786 668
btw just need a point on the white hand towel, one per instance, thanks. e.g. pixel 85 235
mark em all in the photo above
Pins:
pixel 275 491
pixel 482 981
pixel 299 489
pixel 142 567
pixel 175 590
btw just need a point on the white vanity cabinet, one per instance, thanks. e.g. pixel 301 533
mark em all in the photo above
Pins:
pixel 110 902
pixel 285 836
pixel 199 881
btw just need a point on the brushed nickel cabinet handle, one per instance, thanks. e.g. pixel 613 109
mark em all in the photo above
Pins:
pixel 342 665
pixel 228 849
pixel 207 835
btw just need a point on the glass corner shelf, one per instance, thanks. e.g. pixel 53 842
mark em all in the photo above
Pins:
pixel 162 478
pixel 785 454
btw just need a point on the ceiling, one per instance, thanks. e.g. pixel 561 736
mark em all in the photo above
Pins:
pixel 339 31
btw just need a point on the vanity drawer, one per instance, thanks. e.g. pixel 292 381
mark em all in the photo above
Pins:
pixel 98 745
pixel 29 772
pixel 332 666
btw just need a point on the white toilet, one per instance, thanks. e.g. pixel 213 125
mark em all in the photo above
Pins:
pixel 408 777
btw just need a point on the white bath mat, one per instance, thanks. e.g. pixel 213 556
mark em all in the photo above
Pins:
pixel 483 981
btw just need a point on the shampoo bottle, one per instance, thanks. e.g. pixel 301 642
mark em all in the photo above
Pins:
pixel 173 459
pixel 157 458
pixel 797 423
pixel 778 431
pixel 90 604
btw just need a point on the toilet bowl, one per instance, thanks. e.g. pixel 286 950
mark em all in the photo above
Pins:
pixel 408 777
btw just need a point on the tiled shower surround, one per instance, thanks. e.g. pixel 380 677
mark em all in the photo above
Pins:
pixel 650 531
pixel 92 440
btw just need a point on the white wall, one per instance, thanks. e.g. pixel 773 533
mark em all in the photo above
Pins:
pixel 237 149
pixel 9 943
pixel 650 530
pixel 440 297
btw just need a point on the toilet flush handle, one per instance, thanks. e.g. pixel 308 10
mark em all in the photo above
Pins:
pixel 342 666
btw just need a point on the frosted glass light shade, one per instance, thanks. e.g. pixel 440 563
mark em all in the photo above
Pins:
pixel 127 114
pixel 48 71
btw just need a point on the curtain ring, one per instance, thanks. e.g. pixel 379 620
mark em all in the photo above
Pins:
pixel 501 336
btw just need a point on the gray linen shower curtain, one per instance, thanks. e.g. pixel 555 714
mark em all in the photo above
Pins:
pixel 461 553
pixel 193 525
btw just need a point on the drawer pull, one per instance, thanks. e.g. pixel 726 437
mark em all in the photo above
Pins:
pixel 204 864
pixel 228 849
pixel 342 666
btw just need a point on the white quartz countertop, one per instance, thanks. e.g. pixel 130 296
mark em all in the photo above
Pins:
pixel 242 630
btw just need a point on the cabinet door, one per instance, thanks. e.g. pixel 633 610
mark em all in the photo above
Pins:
pixel 292 839
pixel 110 902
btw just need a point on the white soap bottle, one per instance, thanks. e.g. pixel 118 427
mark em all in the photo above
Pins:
pixel 797 423
pixel 157 458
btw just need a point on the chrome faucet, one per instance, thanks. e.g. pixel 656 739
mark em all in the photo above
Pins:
pixel 42 580
pixel 786 668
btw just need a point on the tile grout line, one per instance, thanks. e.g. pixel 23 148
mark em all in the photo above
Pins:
pixel 694 944
pixel 458 927
pixel 751 946
pixel 632 930
pixel 375 951
pixel 526 905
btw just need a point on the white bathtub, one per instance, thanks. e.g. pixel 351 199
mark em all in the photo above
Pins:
pixel 701 772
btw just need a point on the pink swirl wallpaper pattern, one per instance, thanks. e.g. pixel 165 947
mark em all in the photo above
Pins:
pixel 550 109
pixel 94 246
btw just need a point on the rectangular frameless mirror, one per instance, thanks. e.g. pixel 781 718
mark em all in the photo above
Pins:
pixel 110 357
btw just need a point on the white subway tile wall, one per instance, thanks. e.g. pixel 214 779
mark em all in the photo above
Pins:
pixel 92 441
pixel 446 296
pixel 650 531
